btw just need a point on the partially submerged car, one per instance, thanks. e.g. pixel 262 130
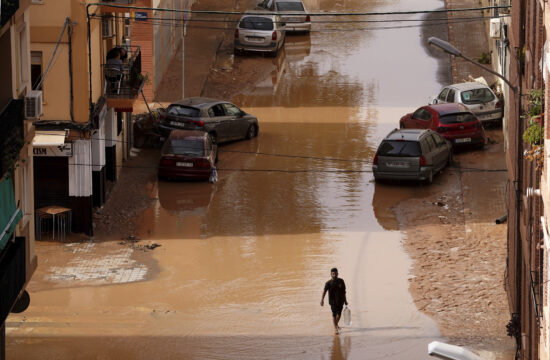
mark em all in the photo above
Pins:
pixel 259 32
pixel 223 120
pixel 477 97
pixel 188 154
pixel 292 12
pixel 453 121
pixel 411 154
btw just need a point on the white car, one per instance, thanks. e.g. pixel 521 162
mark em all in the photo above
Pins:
pixel 259 32
pixel 293 13
pixel 477 97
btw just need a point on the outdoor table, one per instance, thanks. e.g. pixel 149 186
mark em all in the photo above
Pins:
pixel 61 217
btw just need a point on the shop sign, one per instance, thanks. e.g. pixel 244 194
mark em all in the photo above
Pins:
pixel 65 150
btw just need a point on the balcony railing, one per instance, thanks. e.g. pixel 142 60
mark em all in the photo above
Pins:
pixel 124 81
pixel 11 134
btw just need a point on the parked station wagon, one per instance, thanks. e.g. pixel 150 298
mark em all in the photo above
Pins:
pixel 411 154
pixel 293 13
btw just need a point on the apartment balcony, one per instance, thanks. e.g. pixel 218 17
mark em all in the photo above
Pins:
pixel 11 134
pixel 113 9
pixel 123 82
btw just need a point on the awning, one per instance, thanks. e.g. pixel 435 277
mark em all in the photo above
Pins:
pixel 48 138
pixel 9 213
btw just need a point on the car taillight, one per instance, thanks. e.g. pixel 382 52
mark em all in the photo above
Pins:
pixel 167 162
pixel 198 122
pixel 202 163
pixel 441 129
pixel 236 33
pixel 422 161
pixel 375 161
pixel 308 19
pixel 498 105
pixel 274 35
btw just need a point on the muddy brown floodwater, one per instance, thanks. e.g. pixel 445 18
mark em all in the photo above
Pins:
pixel 241 264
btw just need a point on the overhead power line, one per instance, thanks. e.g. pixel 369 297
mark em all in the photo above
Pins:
pixel 218 12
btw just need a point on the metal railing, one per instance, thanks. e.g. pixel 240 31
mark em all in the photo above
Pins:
pixel 537 296
pixel 123 81
pixel 11 134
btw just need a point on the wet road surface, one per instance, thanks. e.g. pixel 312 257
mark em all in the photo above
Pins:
pixel 243 262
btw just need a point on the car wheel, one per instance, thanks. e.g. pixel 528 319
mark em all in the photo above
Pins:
pixel 251 132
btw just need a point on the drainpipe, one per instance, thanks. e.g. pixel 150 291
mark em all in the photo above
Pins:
pixel 91 105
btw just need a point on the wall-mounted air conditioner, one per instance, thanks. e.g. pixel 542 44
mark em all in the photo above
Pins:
pixel 33 104
pixel 494 29
pixel 107 27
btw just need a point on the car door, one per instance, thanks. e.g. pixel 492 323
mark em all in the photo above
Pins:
pixel 238 125
pixel 440 154
pixel 431 157
pixel 219 122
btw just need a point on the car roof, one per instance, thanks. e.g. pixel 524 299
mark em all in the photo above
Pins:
pixel 406 134
pixel 468 86
pixel 449 108
pixel 188 135
pixel 198 102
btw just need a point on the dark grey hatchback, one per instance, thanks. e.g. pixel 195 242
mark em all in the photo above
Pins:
pixel 223 120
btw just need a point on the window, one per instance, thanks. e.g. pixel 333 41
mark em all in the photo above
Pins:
pixel 183 147
pixel 36 69
pixel 477 96
pixel 443 95
pixel 457 118
pixel 216 110
pixel 431 143
pixel 451 96
pixel 289 6
pixel 399 148
pixel 422 114
pixel 180 110
pixel 232 110
pixel 256 23
pixel 439 141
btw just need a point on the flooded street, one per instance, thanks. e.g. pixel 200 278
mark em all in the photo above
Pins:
pixel 242 263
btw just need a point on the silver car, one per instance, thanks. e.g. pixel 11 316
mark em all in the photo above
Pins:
pixel 221 119
pixel 411 154
pixel 293 13
pixel 261 33
pixel 477 97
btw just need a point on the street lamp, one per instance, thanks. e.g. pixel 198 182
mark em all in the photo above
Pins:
pixel 450 49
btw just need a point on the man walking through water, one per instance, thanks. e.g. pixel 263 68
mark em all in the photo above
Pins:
pixel 336 297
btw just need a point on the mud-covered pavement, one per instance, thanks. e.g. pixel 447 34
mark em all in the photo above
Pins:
pixel 241 263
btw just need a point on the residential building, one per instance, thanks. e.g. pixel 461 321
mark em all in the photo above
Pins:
pixel 17 256
pixel 84 129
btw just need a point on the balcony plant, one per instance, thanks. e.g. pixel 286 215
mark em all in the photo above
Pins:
pixel 534 133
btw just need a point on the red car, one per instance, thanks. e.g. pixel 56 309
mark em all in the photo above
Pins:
pixel 453 121
pixel 188 154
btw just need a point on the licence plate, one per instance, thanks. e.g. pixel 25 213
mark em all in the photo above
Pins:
pixel 254 39
pixel 463 140
pixel 176 123
pixel 397 164
pixel 184 164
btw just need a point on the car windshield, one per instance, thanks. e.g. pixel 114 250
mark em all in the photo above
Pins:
pixel 457 118
pixel 183 147
pixel 289 6
pixel 180 110
pixel 256 23
pixel 399 148
pixel 477 96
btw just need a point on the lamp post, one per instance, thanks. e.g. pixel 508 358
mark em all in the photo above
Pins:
pixel 450 49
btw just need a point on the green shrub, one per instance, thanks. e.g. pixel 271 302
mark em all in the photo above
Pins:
pixel 533 134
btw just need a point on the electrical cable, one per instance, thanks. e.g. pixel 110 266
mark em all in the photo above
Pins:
pixel 43 77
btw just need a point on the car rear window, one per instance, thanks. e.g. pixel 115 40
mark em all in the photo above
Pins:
pixel 457 118
pixel 183 147
pixel 399 148
pixel 256 23
pixel 477 96
pixel 290 6
pixel 180 110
